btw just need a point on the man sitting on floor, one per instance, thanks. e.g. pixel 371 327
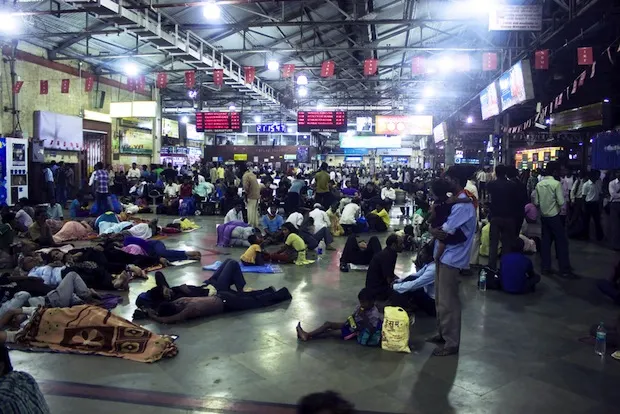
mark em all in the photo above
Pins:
pixel 234 214
pixel 19 392
pixel 378 219
pixel 417 291
pixel 517 273
pixel 380 273
pixel 358 252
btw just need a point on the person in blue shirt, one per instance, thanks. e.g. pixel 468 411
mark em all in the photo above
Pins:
pixel 517 271
pixel 79 207
pixel 454 259
pixel 272 223
pixel 417 291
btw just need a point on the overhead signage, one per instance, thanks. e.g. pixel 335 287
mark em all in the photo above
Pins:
pixel 352 159
pixel 240 157
pixel 507 17
pixel 363 124
pixel 403 124
pixel 192 134
pixel 408 152
pixel 140 109
pixel 271 128
pixel 170 128
pixel 515 85
pixel 489 101
pixel 537 155
pixel 355 151
pixel 440 132
pixel 578 118
pixel 321 121
pixel 290 157
pixel 218 121
pixel 466 161
pixel 137 142
pixel 371 141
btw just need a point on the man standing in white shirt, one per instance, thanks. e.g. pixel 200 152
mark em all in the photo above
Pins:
pixel 133 175
pixel 482 184
pixel 614 211
pixel 592 196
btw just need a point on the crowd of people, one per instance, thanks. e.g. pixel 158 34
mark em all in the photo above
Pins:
pixel 452 219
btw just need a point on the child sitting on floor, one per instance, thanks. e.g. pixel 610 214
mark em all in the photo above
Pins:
pixel 364 324
pixel 440 211
pixel 254 255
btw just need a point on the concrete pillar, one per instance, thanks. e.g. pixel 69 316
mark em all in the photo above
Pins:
pixel 156 159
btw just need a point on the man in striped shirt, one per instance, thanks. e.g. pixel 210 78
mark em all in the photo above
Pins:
pixel 19 392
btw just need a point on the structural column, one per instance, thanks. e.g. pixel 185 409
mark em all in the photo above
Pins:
pixel 449 152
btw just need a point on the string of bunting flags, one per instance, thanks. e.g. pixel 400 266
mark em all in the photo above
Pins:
pixel 585 57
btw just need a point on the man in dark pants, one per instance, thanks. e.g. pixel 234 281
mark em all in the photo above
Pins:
pixel 549 197
pixel 321 179
pixel 522 198
pixel 417 291
pixel 101 188
pixel 454 258
pixel 592 196
pixel 502 199
pixel 358 253
pixel 380 274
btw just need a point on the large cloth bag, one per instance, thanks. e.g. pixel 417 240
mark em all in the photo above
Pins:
pixel 395 330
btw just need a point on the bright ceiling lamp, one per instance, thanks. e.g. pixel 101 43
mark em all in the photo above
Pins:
pixel 429 91
pixel 257 118
pixel 470 119
pixel 8 23
pixel 320 106
pixel 302 92
pixel 184 119
pixel 302 80
pixel 273 65
pixel 232 108
pixel 211 11
pixel 446 64
pixel 419 108
pixel 130 69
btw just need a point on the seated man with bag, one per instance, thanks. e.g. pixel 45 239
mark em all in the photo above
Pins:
pixel 517 271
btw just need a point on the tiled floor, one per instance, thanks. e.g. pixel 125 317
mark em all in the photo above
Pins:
pixel 519 354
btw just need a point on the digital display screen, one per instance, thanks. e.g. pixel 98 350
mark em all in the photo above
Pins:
pixel 322 121
pixel 515 85
pixel 404 125
pixel 489 102
pixel 271 128
pixel 218 121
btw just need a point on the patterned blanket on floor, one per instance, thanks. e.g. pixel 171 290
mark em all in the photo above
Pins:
pixel 92 330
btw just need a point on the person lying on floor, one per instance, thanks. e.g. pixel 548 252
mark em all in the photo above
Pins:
pixel 158 249
pixel 71 291
pixel 358 252
pixel 191 307
pixel 114 259
pixel 417 291
pixel 364 324
pixel 611 287
pixel 52 274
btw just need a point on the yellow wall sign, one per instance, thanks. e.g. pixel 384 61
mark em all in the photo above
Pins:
pixel 240 157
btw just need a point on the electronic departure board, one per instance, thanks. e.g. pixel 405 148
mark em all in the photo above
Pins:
pixel 322 121
pixel 271 128
pixel 218 121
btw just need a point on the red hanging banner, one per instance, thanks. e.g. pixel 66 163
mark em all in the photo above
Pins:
pixel 288 70
pixel 190 79
pixel 489 61
pixel 131 84
pixel 585 56
pixel 370 67
pixel 43 87
pixel 64 86
pixel 250 74
pixel 162 80
pixel 418 64
pixel 18 86
pixel 218 77
pixel 89 83
pixel 141 83
pixel 541 59
pixel 327 69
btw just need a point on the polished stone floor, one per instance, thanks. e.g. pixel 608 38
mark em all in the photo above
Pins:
pixel 519 354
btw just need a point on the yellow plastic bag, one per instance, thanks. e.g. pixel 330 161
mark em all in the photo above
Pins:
pixel 395 331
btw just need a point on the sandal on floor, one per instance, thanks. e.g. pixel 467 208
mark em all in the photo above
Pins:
pixel 445 351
